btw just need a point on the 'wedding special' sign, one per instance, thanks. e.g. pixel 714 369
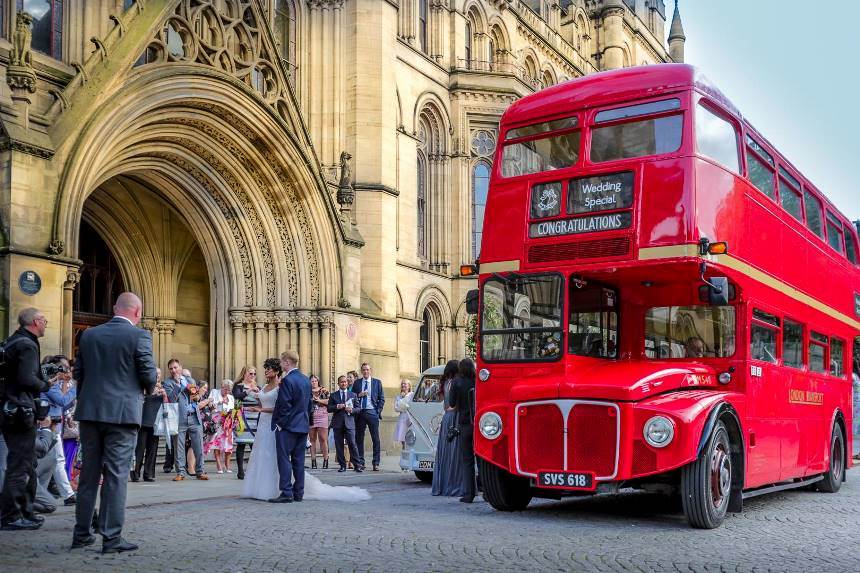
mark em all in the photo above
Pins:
pixel 591 224
pixel 600 193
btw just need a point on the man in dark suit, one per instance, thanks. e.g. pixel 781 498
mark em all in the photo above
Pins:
pixel 147 441
pixel 371 399
pixel 340 404
pixel 113 368
pixel 291 423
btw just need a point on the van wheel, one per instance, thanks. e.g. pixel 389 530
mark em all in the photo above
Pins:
pixel 833 478
pixel 426 477
pixel 706 484
pixel 502 490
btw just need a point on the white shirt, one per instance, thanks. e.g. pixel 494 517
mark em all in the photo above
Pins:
pixel 223 404
pixel 124 318
pixel 367 387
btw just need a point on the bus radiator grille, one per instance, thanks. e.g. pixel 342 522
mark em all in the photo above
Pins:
pixel 540 438
pixel 599 249
pixel 592 439
pixel 644 458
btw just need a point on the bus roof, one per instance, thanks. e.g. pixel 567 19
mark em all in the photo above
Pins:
pixel 626 84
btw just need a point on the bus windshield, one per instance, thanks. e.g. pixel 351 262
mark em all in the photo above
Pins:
pixel 699 331
pixel 521 318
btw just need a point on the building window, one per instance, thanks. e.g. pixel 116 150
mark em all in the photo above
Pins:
pixel 285 34
pixel 480 187
pixel 422 25
pixel 424 339
pixel 47 25
pixel 422 206
pixel 468 44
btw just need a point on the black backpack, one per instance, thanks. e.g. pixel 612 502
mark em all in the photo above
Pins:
pixel 4 368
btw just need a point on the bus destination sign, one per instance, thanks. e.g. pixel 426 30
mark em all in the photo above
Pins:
pixel 600 193
pixel 592 224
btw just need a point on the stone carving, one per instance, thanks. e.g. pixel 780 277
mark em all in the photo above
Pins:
pixel 56 247
pixel 345 190
pixel 20 75
pixel 224 34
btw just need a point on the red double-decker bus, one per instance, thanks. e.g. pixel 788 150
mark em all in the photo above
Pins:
pixel 665 302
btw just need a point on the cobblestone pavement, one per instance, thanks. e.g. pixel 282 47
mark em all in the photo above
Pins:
pixel 203 526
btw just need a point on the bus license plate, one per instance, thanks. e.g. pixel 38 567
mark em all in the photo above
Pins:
pixel 566 480
pixel 425 464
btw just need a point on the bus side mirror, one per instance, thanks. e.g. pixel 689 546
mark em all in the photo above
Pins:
pixel 718 290
pixel 472 302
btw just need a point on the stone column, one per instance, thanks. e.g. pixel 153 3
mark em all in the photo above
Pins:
pixel 304 344
pixel 166 329
pixel 294 337
pixel 149 325
pixel 271 342
pixel 613 35
pixel 72 279
pixel 249 340
pixel 260 348
pixel 236 321
pixel 325 354
pixel 283 338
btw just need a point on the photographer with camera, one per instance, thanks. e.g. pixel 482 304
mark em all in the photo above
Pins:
pixel 22 385
pixel 61 397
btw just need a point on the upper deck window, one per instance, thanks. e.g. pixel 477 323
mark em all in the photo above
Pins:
pixel 544 154
pixel 812 207
pixel 760 167
pixel 850 247
pixel 789 194
pixel 545 127
pixel 639 138
pixel 717 138
pixel 690 332
pixel 834 233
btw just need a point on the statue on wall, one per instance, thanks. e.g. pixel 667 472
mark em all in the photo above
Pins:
pixel 20 54
pixel 345 191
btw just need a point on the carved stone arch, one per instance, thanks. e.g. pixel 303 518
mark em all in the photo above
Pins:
pixel 400 308
pixel 583 30
pixel 548 75
pixel 499 32
pixel 627 57
pixel 399 108
pixel 432 107
pixel 474 10
pixel 433 295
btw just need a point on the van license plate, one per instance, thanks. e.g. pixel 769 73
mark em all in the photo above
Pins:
pixel 426 464
pixel 566 480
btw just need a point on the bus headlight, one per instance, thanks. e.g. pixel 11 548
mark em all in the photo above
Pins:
pixel 410 438
pixel 483 374
pixel 659 431
pixel 490 425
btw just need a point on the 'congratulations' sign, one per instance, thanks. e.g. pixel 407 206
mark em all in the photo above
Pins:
pixel 578 225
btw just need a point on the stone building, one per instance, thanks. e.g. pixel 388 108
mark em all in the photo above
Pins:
pixel 273 173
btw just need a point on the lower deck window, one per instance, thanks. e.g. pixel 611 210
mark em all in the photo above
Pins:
pixel 690 332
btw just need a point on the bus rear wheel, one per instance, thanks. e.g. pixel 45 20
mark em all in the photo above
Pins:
pixel 706 484
pixel 833 478
pixel 426 477
pixel 502 490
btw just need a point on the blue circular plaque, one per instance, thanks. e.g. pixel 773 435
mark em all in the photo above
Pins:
pixel 30 282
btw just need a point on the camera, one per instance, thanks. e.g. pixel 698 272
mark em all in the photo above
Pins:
pixel 453 433
pixel 42 409
pixel 50 370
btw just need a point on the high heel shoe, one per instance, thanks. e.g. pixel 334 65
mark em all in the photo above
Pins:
pixel 325 464
pixel 314 464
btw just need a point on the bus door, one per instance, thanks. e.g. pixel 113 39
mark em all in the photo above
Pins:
pixel 765 389
pixel 796 411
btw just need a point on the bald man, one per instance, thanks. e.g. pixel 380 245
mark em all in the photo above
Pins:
pixel 114 370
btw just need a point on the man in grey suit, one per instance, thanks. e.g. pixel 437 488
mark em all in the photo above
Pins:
pixel 113 368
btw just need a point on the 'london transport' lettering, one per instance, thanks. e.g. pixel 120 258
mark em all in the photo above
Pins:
pixel 591 224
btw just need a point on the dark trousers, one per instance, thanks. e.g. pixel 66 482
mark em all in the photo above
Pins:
pixel 144 453
pixel 169 454
pixel 106 451
pixel 291 462
pixel 339 435
pixel 240 460
pixel 368 419
pixel 467 450
pixel 19 486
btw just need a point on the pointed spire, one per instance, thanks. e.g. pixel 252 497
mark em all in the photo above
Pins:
pixel 677 29
pixel 676 37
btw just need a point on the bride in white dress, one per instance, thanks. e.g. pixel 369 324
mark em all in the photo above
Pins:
pixel 262 479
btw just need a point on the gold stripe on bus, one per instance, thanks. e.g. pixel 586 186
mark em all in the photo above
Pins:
pixel 731 262
pixel 500 267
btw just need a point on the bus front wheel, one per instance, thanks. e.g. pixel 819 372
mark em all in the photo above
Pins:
pixel 706 484
pixel 833 478
pixel 502 490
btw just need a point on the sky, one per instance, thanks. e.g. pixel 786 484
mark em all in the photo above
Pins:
pixel 793 70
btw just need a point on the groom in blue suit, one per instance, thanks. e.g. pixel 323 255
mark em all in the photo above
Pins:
pixel 291 422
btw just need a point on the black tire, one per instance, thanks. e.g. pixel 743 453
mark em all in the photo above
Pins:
pixel 706 484
pixel 836 470
pixel 502 490
pixel 426 477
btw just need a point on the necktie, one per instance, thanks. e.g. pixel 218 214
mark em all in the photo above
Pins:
pixel 342 397
pixel 366 398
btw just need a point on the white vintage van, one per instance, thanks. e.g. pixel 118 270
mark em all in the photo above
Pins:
pixel 425 411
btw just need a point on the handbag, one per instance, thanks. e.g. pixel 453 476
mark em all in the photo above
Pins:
pixel 71 431
pixel 167 420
